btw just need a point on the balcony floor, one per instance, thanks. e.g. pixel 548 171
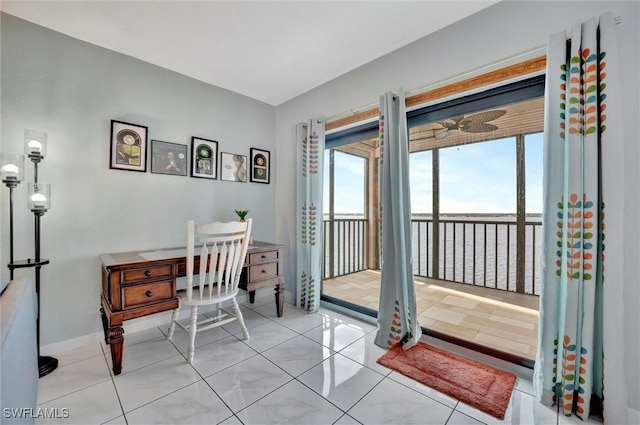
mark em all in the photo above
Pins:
pixel 498 319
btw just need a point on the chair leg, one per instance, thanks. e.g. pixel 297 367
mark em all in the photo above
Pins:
pixel 238 313
pixel 193 323
pixel 172 326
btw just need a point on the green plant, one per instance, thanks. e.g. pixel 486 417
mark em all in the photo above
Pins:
pixel 242 213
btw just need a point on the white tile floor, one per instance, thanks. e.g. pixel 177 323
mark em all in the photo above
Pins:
pixel 298 369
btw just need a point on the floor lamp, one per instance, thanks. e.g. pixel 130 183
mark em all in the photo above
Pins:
pixel 39 202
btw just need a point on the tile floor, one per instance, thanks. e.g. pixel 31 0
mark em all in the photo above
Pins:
pixel 298 369
pixel 501 320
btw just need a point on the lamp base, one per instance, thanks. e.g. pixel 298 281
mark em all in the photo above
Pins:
pixel 46 365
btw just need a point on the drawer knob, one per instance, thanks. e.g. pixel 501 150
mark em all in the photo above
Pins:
pixel 263 271
pixel 149 294
pixel 147 273
pixel 264 256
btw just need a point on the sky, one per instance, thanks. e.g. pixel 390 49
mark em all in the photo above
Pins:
pixel 474 178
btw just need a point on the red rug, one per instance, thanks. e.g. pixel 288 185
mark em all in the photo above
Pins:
pixel 473 383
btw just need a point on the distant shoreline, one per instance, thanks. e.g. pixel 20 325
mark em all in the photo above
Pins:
pixel 425 215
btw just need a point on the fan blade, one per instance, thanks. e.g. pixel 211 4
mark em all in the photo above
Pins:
pixel 442 135
pixel 478 128
pixel 451 123
pixel 483 117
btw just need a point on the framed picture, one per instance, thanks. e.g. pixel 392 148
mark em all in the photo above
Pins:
pixel 260 166
pixel 204 158
pixel 168 158
pixel 128 146
pixel 233 167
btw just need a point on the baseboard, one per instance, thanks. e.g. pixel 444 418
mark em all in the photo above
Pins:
pixel 141 324
pixel 71 344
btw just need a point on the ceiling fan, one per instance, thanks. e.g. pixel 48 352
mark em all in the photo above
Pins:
pixel 475 123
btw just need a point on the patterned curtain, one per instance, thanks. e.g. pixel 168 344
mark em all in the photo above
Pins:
pixel 580 344
pixel 310 141
pixel 397 321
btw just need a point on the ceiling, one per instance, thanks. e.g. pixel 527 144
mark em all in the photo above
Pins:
pixel 524 117
pixel 271 51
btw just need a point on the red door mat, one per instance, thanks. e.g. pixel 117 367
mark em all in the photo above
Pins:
pixel 484 387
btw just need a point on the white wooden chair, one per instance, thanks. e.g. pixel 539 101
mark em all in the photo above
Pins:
pixel 221 248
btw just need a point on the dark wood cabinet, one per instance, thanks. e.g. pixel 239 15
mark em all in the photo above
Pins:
pixel 137 284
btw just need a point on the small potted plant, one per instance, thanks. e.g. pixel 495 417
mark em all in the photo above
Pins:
pixel 242 214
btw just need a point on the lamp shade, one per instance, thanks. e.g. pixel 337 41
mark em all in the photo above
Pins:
pixel 12 167
pixel 39 197
pixel 35 143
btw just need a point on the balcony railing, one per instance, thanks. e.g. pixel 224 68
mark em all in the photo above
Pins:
pixel 345 247
pixel 474 252
pixel 479 252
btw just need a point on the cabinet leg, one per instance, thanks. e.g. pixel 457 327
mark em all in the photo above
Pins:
pixel 280 299
pixel 115 341
pixel 105 324
pixel 252 296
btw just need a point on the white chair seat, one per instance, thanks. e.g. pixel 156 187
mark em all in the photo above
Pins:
pixel 222 254
pixel 197 301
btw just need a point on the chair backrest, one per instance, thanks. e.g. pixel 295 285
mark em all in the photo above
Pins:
pixel 222 250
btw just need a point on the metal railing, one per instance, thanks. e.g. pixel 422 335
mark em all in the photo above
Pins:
pixel 345 247
pixel 479 252
pixel 475 252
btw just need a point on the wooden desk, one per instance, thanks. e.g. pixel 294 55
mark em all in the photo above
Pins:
pixel 136 284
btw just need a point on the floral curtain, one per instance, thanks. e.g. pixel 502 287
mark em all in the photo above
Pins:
pixel 580 344
pixel 397 321
pixel 310 142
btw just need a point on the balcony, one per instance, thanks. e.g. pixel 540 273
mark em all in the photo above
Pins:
pixel 475 180
pixel 474 297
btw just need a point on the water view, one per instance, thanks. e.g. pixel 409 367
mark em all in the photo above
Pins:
pixel 477 249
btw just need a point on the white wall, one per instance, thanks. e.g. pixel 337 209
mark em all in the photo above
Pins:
pixel 72 90
pixel 496 33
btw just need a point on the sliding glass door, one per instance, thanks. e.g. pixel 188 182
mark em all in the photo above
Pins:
pixel 476 199
pixel 351 219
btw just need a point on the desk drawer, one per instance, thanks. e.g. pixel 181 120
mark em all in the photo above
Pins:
pixel 134 275
pixel 146 293
pixel 267 283
pixel 263 271
pixel 263 257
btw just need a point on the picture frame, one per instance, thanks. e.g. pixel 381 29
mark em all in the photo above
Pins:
pixel 260 165
pixel 128 146
pixel 168 158
pixel 233 167
pixel 204 158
